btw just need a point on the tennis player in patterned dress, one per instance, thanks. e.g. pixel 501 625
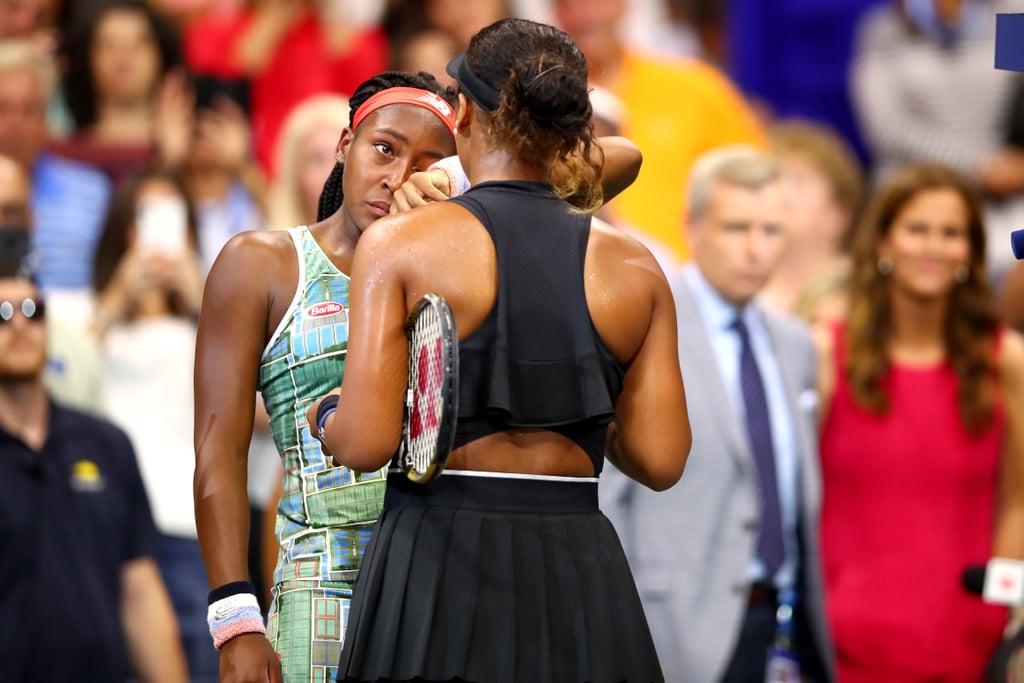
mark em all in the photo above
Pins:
pixel 258 330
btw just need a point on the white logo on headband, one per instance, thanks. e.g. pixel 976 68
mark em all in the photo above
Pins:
pixel 436 102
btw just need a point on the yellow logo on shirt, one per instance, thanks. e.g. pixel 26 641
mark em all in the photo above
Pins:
pixel 86 476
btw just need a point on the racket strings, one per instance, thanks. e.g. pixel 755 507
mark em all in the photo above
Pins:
pixel 426 371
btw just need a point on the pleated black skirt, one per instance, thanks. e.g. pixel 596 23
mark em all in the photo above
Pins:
pixel 496 580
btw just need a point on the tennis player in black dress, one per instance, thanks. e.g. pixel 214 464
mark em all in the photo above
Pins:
pixel 504 569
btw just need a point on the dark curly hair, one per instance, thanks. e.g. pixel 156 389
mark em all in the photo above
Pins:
pixel 78 82
pixel 544 112
pixel 332 196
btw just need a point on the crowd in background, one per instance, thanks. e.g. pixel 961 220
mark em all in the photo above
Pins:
pixel 150 133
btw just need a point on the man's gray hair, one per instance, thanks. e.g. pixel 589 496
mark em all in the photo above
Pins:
pixel 740 165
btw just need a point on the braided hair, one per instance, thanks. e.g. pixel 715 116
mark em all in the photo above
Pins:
pixel 332 196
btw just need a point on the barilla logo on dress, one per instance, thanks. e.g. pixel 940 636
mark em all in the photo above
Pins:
pixel 321 310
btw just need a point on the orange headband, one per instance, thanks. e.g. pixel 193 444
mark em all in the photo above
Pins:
pixel 414 96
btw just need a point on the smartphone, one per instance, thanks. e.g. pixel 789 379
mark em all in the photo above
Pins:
pixel 161 225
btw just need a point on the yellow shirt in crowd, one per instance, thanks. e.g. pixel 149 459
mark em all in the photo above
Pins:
pixel 676 109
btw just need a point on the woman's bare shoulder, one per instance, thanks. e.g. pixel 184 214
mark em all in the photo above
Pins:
pixel 610 247
pixel 255 248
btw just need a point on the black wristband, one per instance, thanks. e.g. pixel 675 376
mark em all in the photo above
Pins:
pixel 229 589
pixel 327 404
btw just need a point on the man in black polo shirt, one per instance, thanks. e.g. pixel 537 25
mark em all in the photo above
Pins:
pixel 81 596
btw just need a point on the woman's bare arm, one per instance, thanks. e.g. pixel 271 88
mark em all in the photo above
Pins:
pixel 230 339
pixel 651 438
pixel 232 332
pixel 633 310
pixel 622 161
pixel 364 431
pixel 1009 532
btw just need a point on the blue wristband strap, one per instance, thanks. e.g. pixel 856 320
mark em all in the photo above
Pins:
pixel 327 407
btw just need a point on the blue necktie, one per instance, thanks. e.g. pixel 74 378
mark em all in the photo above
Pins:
pixel 759 427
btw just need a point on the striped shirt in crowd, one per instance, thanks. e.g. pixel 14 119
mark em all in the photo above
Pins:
pixel 69 205
pixel 919 100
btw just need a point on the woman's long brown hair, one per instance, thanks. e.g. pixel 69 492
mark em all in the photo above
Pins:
pixel 971 317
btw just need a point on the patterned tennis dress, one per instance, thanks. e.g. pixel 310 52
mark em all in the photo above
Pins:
pixel 326 513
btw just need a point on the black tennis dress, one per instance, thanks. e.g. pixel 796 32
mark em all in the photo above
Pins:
pixel 504 578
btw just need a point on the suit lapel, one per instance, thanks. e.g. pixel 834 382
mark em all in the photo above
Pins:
pixel 695 349
pixel 802 416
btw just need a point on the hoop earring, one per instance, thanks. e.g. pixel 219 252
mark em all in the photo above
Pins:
pixel 885 265
pixel 962 274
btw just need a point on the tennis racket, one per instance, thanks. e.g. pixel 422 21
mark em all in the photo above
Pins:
pixel 431 398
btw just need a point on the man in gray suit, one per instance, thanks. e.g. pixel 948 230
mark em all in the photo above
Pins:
pixel 714 555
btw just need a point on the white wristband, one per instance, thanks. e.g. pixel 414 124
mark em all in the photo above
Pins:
pixel 234 615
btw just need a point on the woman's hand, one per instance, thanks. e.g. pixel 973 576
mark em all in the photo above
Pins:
pixel 420 189
pixel 132 279
pixel 314 428
pixel 249 658
pixel 174 118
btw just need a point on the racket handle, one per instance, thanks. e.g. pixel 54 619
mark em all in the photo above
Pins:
pixel 458 182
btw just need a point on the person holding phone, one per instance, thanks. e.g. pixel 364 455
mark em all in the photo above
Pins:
pixel 149 287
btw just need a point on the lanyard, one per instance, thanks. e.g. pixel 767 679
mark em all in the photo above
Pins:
pixel 783 664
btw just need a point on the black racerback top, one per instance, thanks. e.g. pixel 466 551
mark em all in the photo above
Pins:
pixel 536 360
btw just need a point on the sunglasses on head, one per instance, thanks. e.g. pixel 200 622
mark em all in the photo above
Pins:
pixel 30 308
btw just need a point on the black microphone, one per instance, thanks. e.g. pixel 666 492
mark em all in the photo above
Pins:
pixel 999 582
pixel 1017 244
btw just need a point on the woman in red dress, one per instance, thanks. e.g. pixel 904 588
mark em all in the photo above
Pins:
pixel 922 445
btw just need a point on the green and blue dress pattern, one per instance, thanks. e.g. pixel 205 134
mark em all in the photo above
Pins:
pixel 326 513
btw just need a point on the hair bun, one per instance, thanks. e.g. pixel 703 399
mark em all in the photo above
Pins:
pixel 551 92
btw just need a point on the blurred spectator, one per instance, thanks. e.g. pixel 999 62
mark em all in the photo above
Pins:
pixel 69 199
pixel 682 29
pixel 826 187
pixel 82 597
pixel 825 299
pixel 456 18
pixel 711 585
pixel 20 18
pixel 427 50
pixel 306 154
pixel 37 21
pixel 72 372
pixel 924 90
pixel 792 57
pixel 290 50
pixel 609 115
pixel 222 178
pixel 184 11
pixel 149 290
pixel 922 445
pixel 675 111
pixel 125 90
